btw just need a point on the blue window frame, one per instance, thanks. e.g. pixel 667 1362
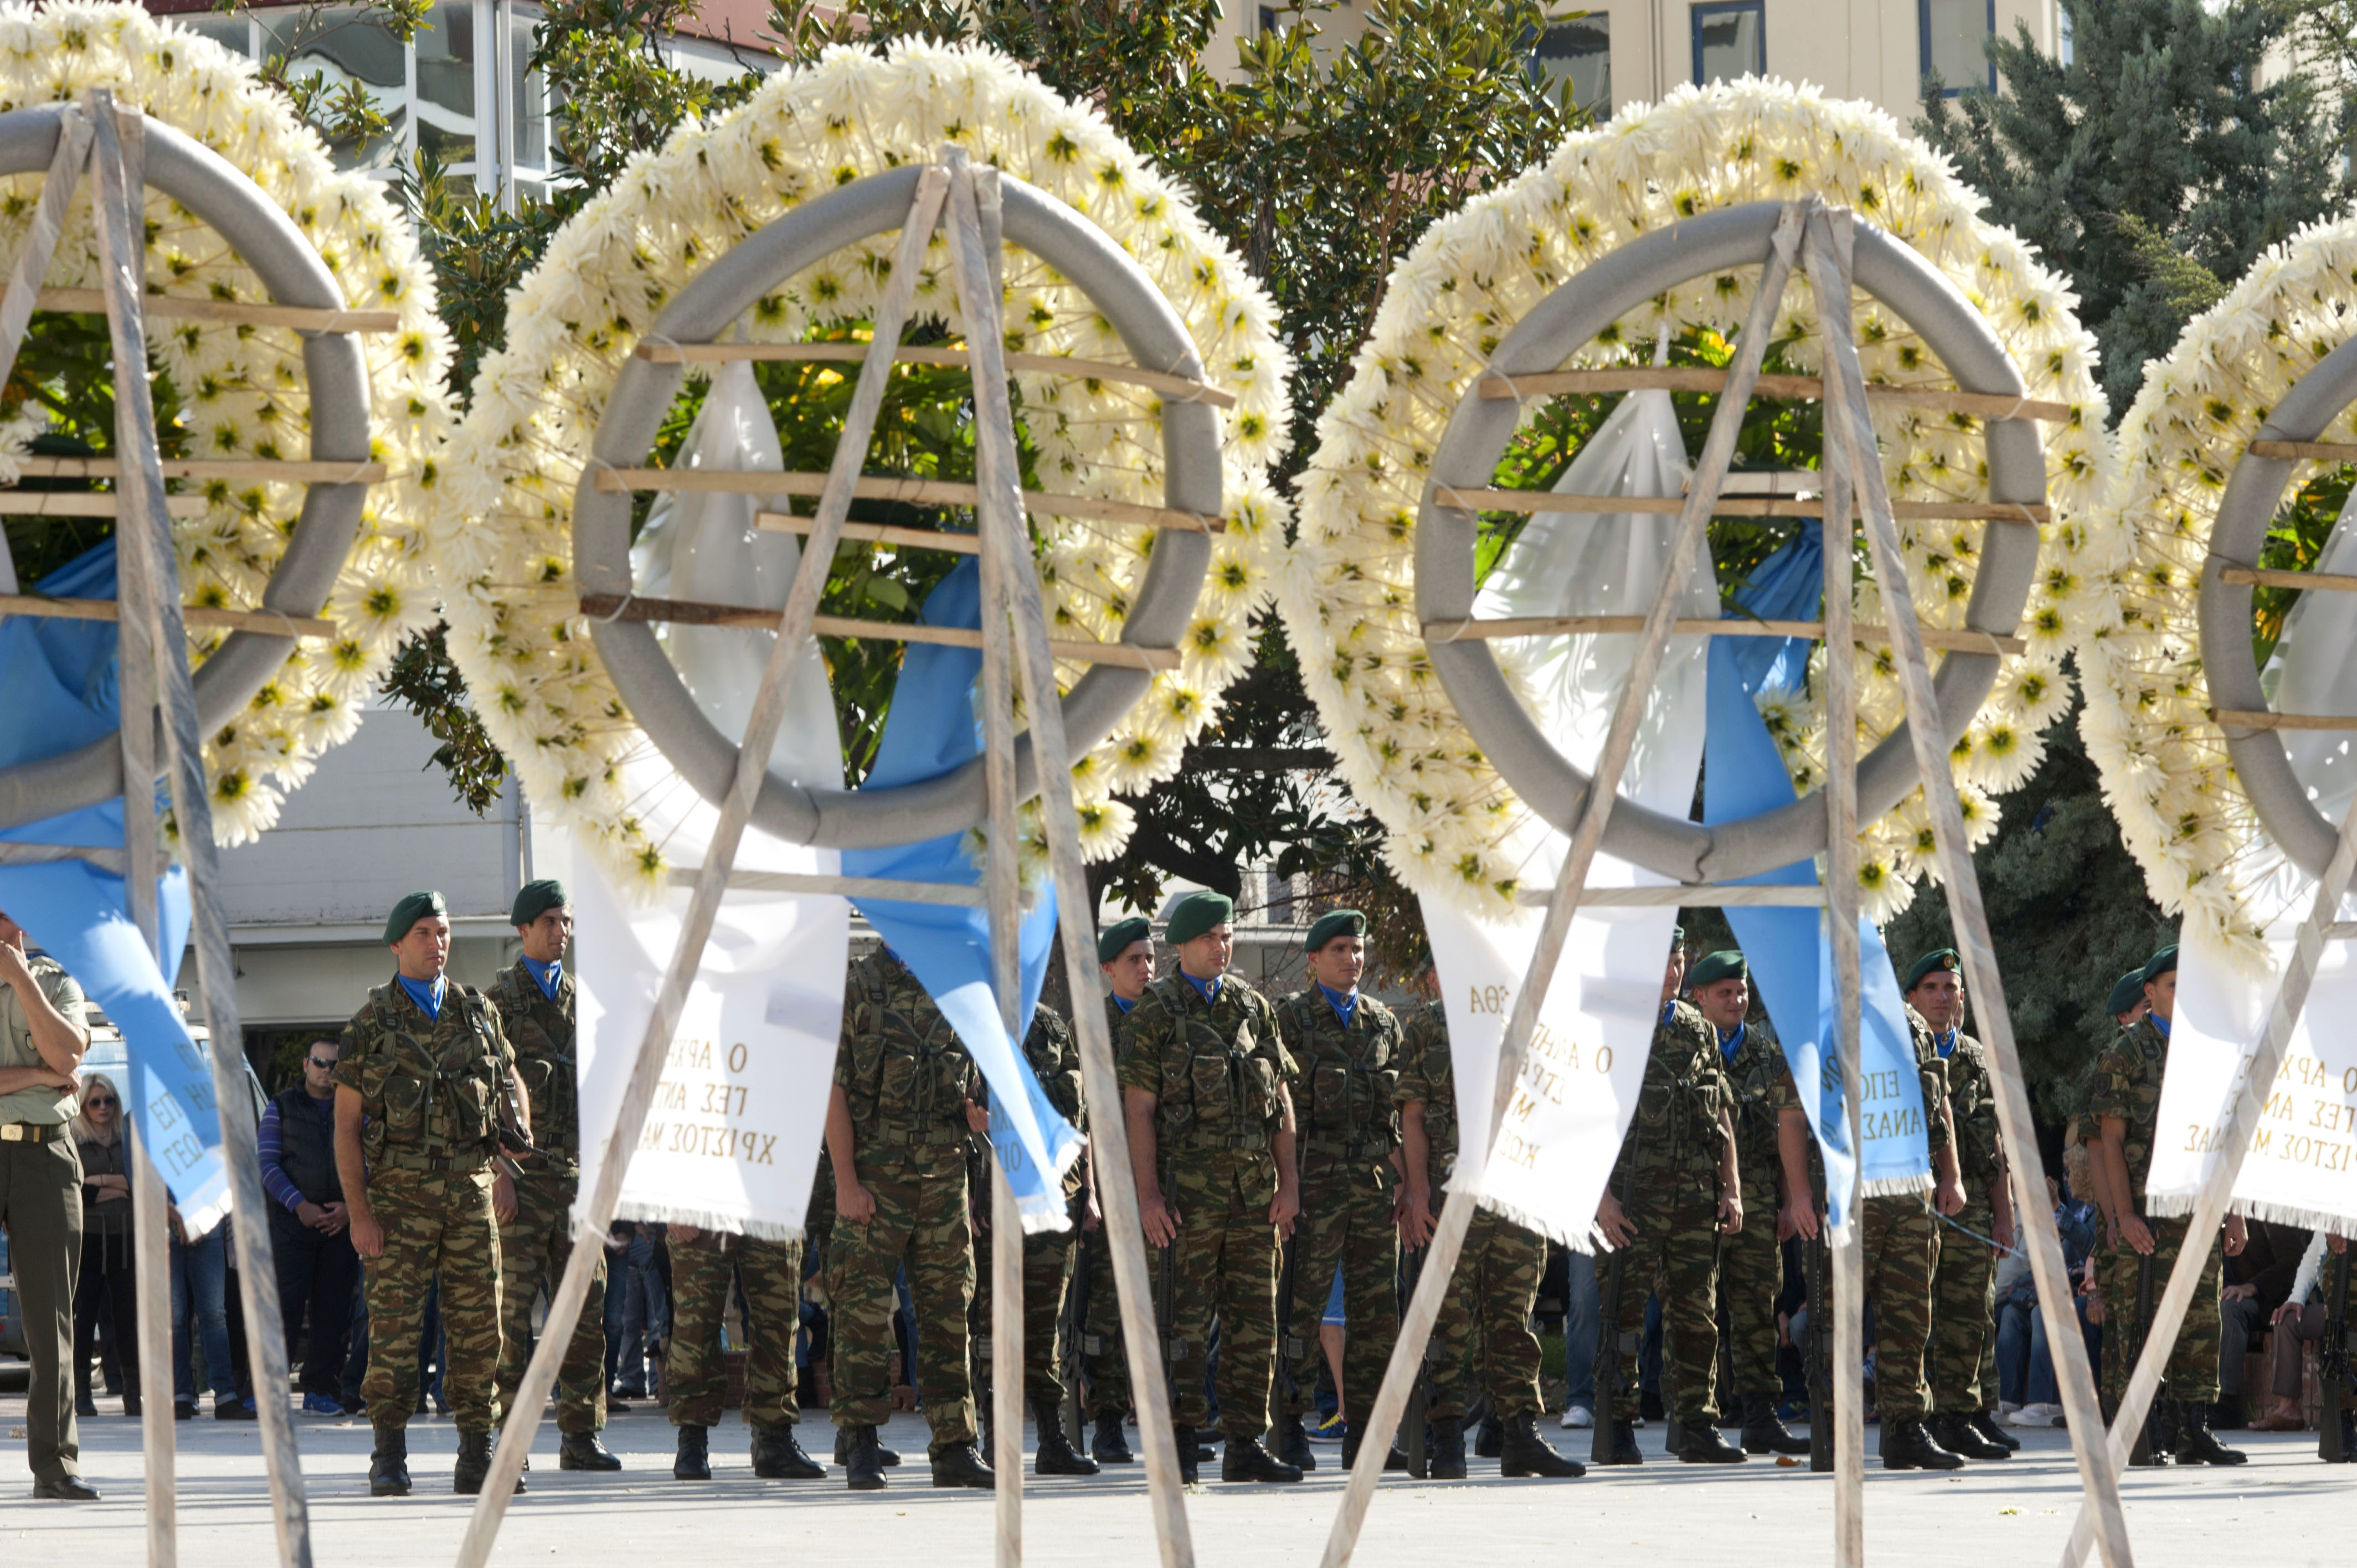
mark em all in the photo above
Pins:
pixel 1951 33
pixel 1730 40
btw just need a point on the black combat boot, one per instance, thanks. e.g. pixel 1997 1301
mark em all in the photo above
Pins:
pixel 863 1458
pixel 1906 1446
pixel 1763 1433
pixel 1986 1425
pixel 1395 1460
pixel 777 1455
pixel 1527 1453
pixel 1447 1457
pixel 886 1458
pixel 2348 1437
pixel 2196 1445
pixel 1958 1435
pixel 1624 1445
pixel 1056 1456
pixel 1110 1446
pixel 1489 1437
pixel 1246 1460
pixel 1191 1455
pixel 694 1461
pixel 1293 1445
pixel 960 1464
pixel 581 1451
pixel 1698 1442
pixel 474 1466
pixel 389 1464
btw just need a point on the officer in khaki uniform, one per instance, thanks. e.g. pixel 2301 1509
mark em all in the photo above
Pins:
pixel 1203 1077
pixel 1125 959
pixel 41 1042
pixel 898 1123
pixel 423 1082
pixel 534 998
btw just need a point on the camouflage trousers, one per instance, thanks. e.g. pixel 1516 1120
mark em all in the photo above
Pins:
pixel 1102 1351
pixel 435 1223
pixel 921 1222
pixel 693 1369
pixel 1048 1259
pixel 533 1249
pixel 2192 1375
pixel 1345 1224
pixel 1963 1360
pixel 1750 1277
pixel 1485 1322
pixel 1225 1267
pixel 1676 1250
pixel 1901 1242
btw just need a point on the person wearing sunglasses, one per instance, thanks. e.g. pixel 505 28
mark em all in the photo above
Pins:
pixel 106 1285
pixel 310 1225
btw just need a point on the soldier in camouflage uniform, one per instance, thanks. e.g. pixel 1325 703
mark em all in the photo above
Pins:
pixel 1487 1313
pixel 1963 1360
pixel 1345 1048
pixel 1676 1192
pixel 1750 1262
pixel 1203 1077
pixel 1902 1241
pixel 898 1122
pixel 423 1072
pixel 535 1002
pixel 771 1274
pixel 1125 959
pixel 2123 1109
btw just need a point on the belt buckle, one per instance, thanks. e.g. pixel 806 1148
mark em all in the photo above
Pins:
pixel 11 1132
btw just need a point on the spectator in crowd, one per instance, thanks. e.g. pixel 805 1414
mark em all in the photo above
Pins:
pixel 2028 1394
pixel 2258 1282
pixel 200 1318
pixel 309 1226
pixel 106 1285
pixel 2301 1318
pixel 645 1314
pixel 1583 1305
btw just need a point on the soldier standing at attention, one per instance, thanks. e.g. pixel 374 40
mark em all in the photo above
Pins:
pixel 2124 1104
pixel 1902 1241
pixel 1963 1358
pixel 1203 1077
pixel 535 1003
pixel 419 1083
pixel 42 1039
pixel 1676 1192
pixel 1125 959
pixel 896 1125
pixel 1487 1312
pixel 771 1274
pixel 1752 1261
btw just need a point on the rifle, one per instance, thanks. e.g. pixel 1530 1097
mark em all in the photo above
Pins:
pixel 1166 1313
pixel 1608 1351
pixel 1420 1397
pixel 2133 1352
pixel 1290 1347
pixel 513 1143
pixel 1068 1325
pixel 2334 1373
pixel 1821 1352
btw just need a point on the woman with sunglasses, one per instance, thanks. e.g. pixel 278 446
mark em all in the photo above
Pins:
pixel 106 1249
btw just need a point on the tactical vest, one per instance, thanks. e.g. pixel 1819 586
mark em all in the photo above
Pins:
pixel 1348 1108
pixel 307 1147
pixel 1218 1091
pixel 1972 1105
pixel 1055 1061
pixel 1677 1123
pixel 909 1087
pixel 546 1059
pixel 433 1085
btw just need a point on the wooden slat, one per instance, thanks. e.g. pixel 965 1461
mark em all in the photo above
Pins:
pixel 1177 387
pixel 1701 378
pixel 85 503
pixel 2336 582
pixel 1536 501
pixel 916 492
pixel 1567 625
pixel 270 623
pixel 691 612
pixel 2237 718
pixel 956 894
pixel 2310 451
pixel 303 318
pixel 877 533
pixel 237 470
pixel 1686 895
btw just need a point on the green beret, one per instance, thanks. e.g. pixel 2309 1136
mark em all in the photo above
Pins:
pixel 536 899
pixel 1724 965
pixel 2160 963
pixel 1334 923
pixel 1932 963
pixel 2126 992
pixel 411 910
pixel 1198 912
pixel 1120 936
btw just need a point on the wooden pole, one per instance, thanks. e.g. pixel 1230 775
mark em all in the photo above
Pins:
pixel 1653 647
pixel 978 263
pixel 145 534
pixel 1848 423
pixel 760 737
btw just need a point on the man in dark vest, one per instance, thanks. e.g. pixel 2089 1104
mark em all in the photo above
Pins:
pixel 310 1225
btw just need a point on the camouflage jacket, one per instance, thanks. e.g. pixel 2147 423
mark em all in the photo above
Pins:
pixel 1215 1069
pixel 1933 1073
pixel 429 1087
pixel 1343 1075
pixel 2128 1085
pixel 1675 1131
pixel 1055 1058
pixel 903 1069
pixel 1756 1075
pixel 540 1029
pixel 1972 1105
pixel 1426 1078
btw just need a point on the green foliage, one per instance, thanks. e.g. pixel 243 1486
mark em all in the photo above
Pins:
pixel 425 680
pixel 2176 142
